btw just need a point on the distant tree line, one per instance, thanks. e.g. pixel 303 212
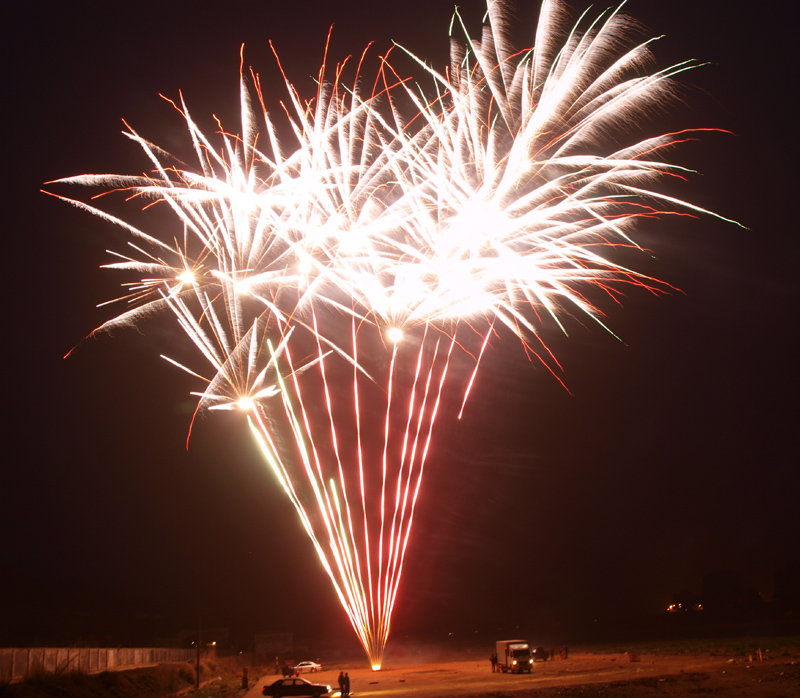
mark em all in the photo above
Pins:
pixel 724 595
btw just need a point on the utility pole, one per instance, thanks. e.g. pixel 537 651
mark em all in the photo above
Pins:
pixel 199 633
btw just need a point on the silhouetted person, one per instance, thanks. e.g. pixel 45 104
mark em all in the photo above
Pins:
pixel 346 685
pixel 341 683
pixel 493 660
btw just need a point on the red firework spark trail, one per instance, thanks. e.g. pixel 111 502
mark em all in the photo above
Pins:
pixel 360 467
pixel 368 590
pixel 383 478
pixel 392 595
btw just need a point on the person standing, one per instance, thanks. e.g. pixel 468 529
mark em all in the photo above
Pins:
pixel 346 685
pixel 341 683
pixel 493 660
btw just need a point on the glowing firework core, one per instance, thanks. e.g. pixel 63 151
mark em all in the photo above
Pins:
pixel 246 404
pixel 498 204
pixel 395 334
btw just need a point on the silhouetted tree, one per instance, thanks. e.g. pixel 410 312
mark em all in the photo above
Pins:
pixel 686 600
pixel 723 593
pixel 786 582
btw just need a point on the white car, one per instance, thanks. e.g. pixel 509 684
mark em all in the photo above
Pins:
pixel 309 667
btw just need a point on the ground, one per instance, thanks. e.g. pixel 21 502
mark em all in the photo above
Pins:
pixel 729 671
pixel 582 675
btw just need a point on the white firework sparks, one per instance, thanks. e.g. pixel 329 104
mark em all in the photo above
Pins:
pixel 348 270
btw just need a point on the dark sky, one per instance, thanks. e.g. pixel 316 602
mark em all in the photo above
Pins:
pixel 669 458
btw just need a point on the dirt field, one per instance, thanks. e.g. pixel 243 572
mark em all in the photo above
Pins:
pixel 582 675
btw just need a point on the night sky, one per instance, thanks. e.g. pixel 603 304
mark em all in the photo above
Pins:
pixel 671 456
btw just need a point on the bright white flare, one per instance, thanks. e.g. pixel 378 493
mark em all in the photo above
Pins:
pixel 297 272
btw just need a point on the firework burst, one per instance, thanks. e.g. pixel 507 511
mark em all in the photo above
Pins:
pixel 328 286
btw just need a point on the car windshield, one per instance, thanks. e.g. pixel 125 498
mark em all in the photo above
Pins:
pixel 520 652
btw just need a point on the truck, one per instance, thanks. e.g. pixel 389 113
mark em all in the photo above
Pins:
pixel 514 656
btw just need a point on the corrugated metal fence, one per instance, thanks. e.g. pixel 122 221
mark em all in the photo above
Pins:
pixel 17 663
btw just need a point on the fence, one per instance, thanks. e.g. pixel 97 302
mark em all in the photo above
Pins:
pixel 16 664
